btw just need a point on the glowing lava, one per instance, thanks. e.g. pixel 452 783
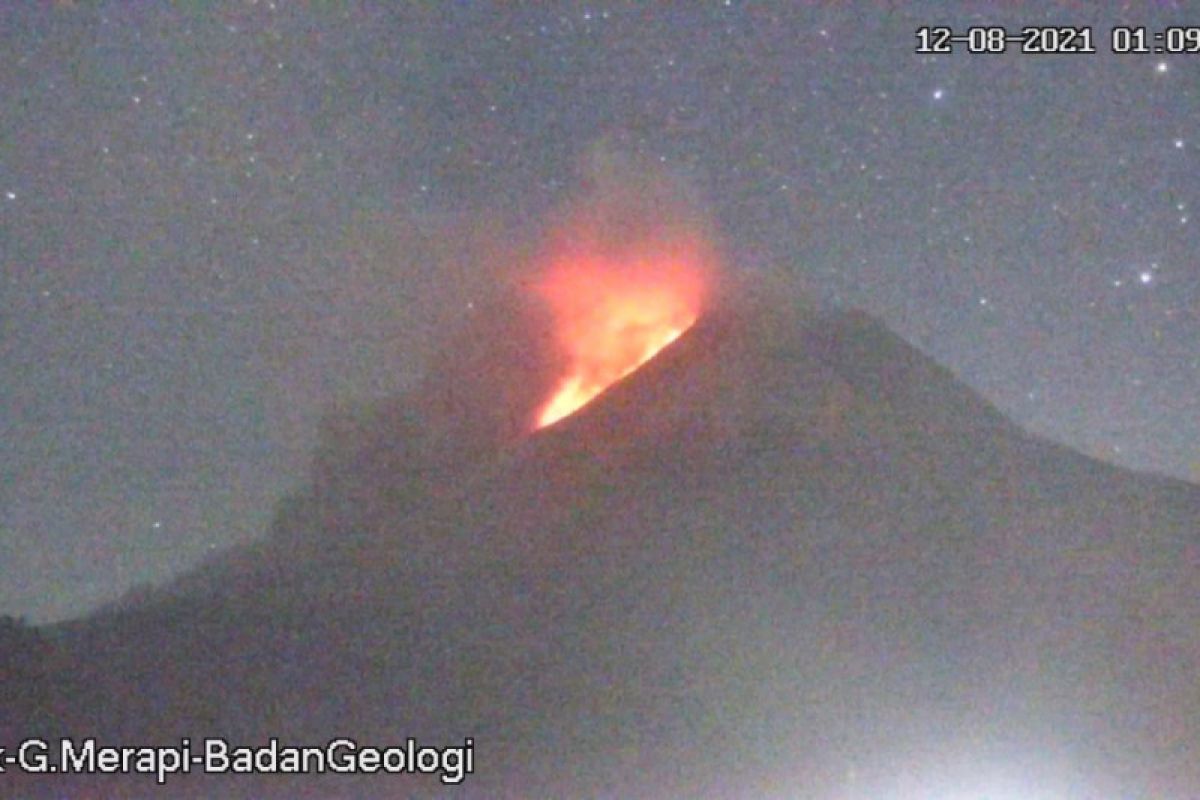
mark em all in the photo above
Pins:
pixel 612 316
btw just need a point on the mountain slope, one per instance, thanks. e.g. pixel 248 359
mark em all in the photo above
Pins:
pixel 790 556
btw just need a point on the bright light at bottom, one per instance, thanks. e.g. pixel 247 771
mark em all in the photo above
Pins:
pixel 982 783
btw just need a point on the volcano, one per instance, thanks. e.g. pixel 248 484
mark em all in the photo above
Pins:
pixel 789 556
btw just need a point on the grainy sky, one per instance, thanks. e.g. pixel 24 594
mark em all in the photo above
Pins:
pixel 215 222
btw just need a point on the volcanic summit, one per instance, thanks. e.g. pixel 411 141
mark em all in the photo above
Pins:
pixel 788 556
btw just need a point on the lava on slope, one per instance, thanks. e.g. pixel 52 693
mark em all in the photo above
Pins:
pixel 625 275
pixel 611 319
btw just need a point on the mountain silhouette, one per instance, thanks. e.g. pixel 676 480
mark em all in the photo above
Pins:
pixel 790 556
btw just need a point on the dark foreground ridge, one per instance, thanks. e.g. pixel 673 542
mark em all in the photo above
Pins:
pixel 789 557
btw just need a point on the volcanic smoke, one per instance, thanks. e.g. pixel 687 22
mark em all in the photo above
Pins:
pixel 626 274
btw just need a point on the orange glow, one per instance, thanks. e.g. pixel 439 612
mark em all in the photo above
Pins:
pixel 613 313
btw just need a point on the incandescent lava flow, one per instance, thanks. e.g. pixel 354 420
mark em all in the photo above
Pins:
pixel 625 271
pixel 614 308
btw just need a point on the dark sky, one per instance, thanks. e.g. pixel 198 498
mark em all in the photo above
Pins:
pixel 215 223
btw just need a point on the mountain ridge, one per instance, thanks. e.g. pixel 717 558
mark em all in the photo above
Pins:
pixel 787 532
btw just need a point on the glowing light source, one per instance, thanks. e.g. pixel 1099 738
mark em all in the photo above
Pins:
pixel 614 316
pixel 624 271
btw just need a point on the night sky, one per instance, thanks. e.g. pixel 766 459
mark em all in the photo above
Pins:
pixel 214 224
